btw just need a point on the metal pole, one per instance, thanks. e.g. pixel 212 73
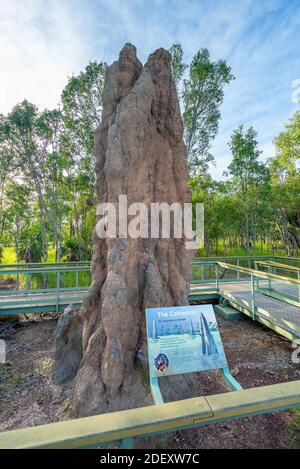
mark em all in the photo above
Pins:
pixel 253 297
pixel 26 285
pixel 57 290
pixel 76 286
pixel 127 443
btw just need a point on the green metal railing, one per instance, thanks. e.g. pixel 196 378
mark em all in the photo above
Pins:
pixel 123 427
pixel 22 273
pixel 126 426
pixel 41 285
pixel 290 271
pixel 253 307
pixel 26 273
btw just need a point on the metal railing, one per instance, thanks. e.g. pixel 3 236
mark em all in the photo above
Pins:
pixel 283 316
pixel 125 426
pixel 35 284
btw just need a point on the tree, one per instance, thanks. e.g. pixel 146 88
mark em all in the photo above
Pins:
pixel 203 94
pixel 6 170
pixel 285 174
pixel 178 67
pixel 250 178
pixel 82 106
pixel 17 196
pixel 26 148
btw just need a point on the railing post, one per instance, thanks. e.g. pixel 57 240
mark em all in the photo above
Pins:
pixel 26 284
pixel 127 443
pixel 238 272
pixel 217 278
pixel 57 287
pixel 76 286
pixel 269 280
pixel 253 297
pixel 298 276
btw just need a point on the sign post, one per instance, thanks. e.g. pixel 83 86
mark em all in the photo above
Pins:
pixel 184 339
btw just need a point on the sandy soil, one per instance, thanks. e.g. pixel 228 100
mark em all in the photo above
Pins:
pixel 256 356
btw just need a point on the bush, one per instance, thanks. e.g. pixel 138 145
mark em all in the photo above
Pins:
pixel 31 249
pixel 70 250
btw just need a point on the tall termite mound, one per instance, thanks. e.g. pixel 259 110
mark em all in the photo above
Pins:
pixel 139 153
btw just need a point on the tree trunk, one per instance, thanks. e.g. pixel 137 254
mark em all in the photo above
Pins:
pixel 140 153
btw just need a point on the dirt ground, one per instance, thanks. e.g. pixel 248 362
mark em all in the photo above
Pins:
pixel 256 356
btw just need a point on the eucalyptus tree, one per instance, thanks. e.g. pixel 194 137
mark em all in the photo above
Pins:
pixel 21 133
pixel 82 106
pixel 285 172
pixel 7 170
pixel 55 162
pixel 17 211
pixel 178 67
pixel 250 179
pixel 201 94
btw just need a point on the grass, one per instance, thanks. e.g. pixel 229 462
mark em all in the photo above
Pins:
pixel 7 380
pixel 294 429
pixel 39 281
pixel 68 279
pixel 9 255
pixel 262 249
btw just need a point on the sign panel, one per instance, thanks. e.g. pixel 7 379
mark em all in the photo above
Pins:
pixel 183 339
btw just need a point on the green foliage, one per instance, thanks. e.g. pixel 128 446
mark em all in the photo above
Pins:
pixel 31 244
pixel 47 178
pixel 285 173
pixel 70 250
pixel 8 379
pixel 203 94
pixel 250 181
pixel 82 106
pixel 294 429
pixel 245 167
pixel 177 64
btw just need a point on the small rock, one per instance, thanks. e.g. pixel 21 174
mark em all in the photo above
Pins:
pixel 235 371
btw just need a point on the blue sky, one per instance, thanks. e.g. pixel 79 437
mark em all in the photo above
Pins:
pixel 42 42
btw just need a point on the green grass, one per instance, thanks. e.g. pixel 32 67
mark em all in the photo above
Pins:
pixel 51 254
pixel 9 255
pixel 68 279
pixel 39 281
pixel 7 379
pixel 262 249
pixel 294 429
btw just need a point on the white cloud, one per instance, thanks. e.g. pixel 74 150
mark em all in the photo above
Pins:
pixel 44 41
pixel 39 47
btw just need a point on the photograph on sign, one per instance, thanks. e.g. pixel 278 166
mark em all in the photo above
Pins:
pixel 183 339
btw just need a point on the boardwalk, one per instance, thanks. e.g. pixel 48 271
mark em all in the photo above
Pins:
pixel 283 314
pixel 270 299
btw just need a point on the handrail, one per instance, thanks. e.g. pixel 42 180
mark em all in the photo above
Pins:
pixel 37 264
pixel 259 273
pixel 279 265
pixel 245 258
pixel 153 420
pixel 288 257
pixel 195 260
pixel 80 268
